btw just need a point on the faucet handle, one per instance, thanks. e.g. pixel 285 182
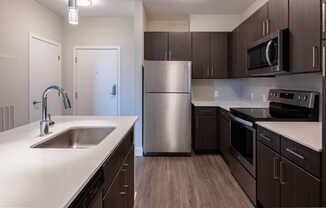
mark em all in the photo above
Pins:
pixel 51 123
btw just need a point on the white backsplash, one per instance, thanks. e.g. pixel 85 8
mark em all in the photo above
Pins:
pixel 255 89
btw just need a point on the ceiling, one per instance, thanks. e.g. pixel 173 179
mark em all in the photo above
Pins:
pixel 102 8
pixel 181 9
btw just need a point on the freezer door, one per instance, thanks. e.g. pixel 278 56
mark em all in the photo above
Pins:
pixel 167 76
pixel 167 123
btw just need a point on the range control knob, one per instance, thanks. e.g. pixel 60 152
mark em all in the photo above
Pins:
pixel 299 98
pixel 305 98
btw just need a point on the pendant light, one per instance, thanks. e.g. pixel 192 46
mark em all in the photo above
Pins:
pixel 73 12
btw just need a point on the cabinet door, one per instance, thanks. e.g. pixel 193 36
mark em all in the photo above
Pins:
pixel 219 55
pixel 224 134
pixel 156 45
pixel 278 15
pixel 243 47
pixel 305 35
pixel 268 186
pixel 261 16
pixel 299 188
pixel 235 52
pixel 179 46
pixel 130 179
pixel 200 55
pixel 206 133
pixel 116 195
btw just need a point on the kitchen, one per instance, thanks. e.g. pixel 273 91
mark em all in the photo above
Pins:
pixel 205 103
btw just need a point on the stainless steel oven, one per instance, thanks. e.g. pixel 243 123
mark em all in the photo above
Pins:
pixel 243 143
pixel 270 55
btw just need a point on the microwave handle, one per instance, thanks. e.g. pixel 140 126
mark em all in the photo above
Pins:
pixel 267 52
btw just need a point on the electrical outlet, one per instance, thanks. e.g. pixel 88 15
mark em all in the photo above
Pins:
pixel 265 98
pixel 216 93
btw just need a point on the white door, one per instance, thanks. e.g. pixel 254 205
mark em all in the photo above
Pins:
pixel 97 82
pixel 45 70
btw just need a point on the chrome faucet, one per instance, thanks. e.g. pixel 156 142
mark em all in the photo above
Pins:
pixel 46 118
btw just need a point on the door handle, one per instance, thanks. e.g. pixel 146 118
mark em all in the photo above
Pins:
pixel 114 90
pixel 35 102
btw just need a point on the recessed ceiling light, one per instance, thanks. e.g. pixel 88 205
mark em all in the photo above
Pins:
pixel 84 2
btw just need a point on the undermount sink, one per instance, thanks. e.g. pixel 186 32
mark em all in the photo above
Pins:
pixel 77 138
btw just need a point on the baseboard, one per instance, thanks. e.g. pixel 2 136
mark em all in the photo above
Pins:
pixel 138 151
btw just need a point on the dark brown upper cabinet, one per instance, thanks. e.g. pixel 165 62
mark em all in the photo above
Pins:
pixel 260 18
pixel 219 55
pixel 278 15
pixel 235 53
pixel 200 42
pixel 163 46
pixel 156 46
pixel 209 55
pixel 305 36
pixel 179 46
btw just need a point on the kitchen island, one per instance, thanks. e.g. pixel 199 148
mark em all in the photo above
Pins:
pixel 45 177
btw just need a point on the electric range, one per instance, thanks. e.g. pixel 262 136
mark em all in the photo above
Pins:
pixel 285 105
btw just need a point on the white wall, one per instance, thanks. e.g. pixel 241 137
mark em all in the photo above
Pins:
pixel 17 19
pixel 214 23
pixel 140 21
pixel 109 31
pixel 167 26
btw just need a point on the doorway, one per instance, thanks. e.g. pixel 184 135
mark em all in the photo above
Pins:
pixel 44 71
pixel 97 81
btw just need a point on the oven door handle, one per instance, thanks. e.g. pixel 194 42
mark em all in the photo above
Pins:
pixel 268 48
pixel 242 121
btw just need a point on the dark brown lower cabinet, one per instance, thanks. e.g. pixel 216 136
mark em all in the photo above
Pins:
pixel 298 188
pixel 281 183
pixel 224 133
pixel 205 129
pixel 121 193
pixel 268 185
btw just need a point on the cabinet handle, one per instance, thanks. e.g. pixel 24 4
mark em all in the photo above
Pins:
pixel 275 161
pixel 170 55
pixel 294 153
pixel 125 186
pixel 166 55
pixel 265 137
pixel 324 61
pixel 123 193
pixel 267 26
pixel 324 17
pixel 264 28
pixel 314 56
pixel 282 181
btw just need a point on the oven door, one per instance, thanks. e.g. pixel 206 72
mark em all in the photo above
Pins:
pixel 243 143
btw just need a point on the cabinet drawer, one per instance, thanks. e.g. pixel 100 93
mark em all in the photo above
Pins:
pixel 205 111
pixel 115 161
pixel 269 138
pixel 302 156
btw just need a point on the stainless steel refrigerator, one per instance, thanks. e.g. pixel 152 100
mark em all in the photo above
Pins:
pixel 167 108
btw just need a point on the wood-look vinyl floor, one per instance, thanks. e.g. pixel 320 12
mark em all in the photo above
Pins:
pixel 202 181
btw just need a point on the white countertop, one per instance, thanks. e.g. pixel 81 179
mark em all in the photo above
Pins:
pixel 226 104
pixel 308 134
pixel 39 178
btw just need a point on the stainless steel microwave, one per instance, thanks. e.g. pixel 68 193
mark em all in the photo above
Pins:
pixel 270 55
